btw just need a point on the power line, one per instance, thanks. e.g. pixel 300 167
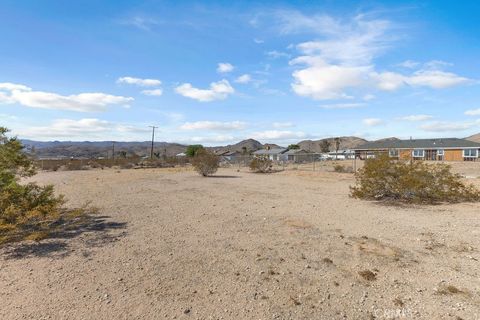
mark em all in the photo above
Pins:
pixel 153 139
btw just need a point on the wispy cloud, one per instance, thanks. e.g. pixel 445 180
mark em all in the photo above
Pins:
pixel 446 126
pixel 372 122
pixel 283 124
pixel 139 81
pixel 416 117
pixel 343 105
pixel 154 92
pixel 213 125
pixel 473 112
pixel 142 23
pixel 244 78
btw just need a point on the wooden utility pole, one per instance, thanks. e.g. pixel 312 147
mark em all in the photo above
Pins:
pixel 153 139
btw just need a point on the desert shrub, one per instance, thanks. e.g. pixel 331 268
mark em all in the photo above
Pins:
pixel 75 165
pixel 205 162
pixel 27 211
pixel 261 165
pixel 338 168
pixel 382 178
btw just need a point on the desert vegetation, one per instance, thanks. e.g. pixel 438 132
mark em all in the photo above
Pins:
pixel 27 211
pixel 261 165
pixel 205 162
pixel 382 178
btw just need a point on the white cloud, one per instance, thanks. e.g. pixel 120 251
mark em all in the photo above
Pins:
pixel 372 122
pixel 83 102
pixel 258 41
pixel 473 112
pixel 154 92
pixel 278 135
pixel 244 78
pixel 277 54
pixel 342 105
pixel 142 23
pixel 343 60
pixel 218 91
pixel 207 139
pixel 436 79
pixel 224 67
pixel 416 117
pixel 323 81
pixel 140 82
pixel 409 64
pixel 213 125
pixel 445 126
pixel 283 124
pixel 368 97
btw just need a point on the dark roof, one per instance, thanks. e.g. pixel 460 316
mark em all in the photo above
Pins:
pixel 295 151
pixel 419 144
pixel 270 151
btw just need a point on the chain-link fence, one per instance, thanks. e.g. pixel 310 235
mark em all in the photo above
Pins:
pixel 307 162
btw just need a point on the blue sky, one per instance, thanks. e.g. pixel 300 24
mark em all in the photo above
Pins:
pixel 216 72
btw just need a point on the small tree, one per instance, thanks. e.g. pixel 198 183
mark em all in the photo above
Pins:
pixel 205 162
pixel 261 164
pixel 325 146
pixel 337 146
pixel 382 178
pixel 293 147
pixel 193 149
pixel 27 211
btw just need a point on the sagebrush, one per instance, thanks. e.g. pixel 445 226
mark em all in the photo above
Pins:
pixel 205 162
pixel 27 211
pixel 382 178
pixel 261 164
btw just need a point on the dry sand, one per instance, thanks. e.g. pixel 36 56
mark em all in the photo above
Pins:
pixel 289 245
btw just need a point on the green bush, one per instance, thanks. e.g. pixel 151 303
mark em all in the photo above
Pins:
pixel 261 164
pixel 205 162
pixel 193 149
pixel 382 178
pixel 27 211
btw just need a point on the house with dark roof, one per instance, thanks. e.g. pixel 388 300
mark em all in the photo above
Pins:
pixel 441 149
pixel 275 154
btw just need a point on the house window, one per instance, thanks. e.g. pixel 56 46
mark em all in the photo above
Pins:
pixel 418 153
pixel 393 153
pixel 470 153
pixel 440 152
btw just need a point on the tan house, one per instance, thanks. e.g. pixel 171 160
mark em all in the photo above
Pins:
pixel 442 149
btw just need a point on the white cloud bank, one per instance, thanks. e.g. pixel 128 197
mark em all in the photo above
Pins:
pixel 343 60
pixel 140 82
pixel 84 102
pixel 278 135
pixel 473 112
pixel 213 125
pixel 217 91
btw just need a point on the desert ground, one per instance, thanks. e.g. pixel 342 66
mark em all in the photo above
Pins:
pixel 169 244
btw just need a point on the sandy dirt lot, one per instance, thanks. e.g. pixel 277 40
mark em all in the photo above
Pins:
pixel 169 244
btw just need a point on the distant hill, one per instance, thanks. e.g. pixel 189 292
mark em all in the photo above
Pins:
pixel 474 138
pixel 345 143
pixel 249 144
pixel 88 149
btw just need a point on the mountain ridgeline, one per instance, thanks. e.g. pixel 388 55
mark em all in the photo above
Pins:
pixel 96 149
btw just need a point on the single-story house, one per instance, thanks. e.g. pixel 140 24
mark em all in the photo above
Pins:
pixel 181 155
pixel 441 149
pixel 275 154
pixel 231 155
pixel 298 155
pixel 342 154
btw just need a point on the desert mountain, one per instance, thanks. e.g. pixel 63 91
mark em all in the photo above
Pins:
pixel 345 143
pixel 249 144
pixel 474 138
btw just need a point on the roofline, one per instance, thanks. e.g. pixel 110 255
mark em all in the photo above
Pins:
pixel 416 148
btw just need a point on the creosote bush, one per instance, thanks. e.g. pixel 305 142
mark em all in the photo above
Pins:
pixel 27 211
pixel 205 162
pixel 261 165
pixel 382 178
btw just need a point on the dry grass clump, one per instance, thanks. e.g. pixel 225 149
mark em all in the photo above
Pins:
pixel 342 169
pixel 368 275
pixel 382 178
pixel 27 211
pixel 449 289
pixel 205 162
pixel 261 165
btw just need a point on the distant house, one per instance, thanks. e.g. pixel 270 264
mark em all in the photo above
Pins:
pixel 342 154
pixel 231 155
pixel 442 149
pixel 181 154
pixel 298 155
pixel 275 154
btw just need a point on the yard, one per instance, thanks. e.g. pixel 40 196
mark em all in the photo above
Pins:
pixel 289 245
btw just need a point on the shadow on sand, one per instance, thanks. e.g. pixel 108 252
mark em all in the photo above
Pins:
pixel 94 231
